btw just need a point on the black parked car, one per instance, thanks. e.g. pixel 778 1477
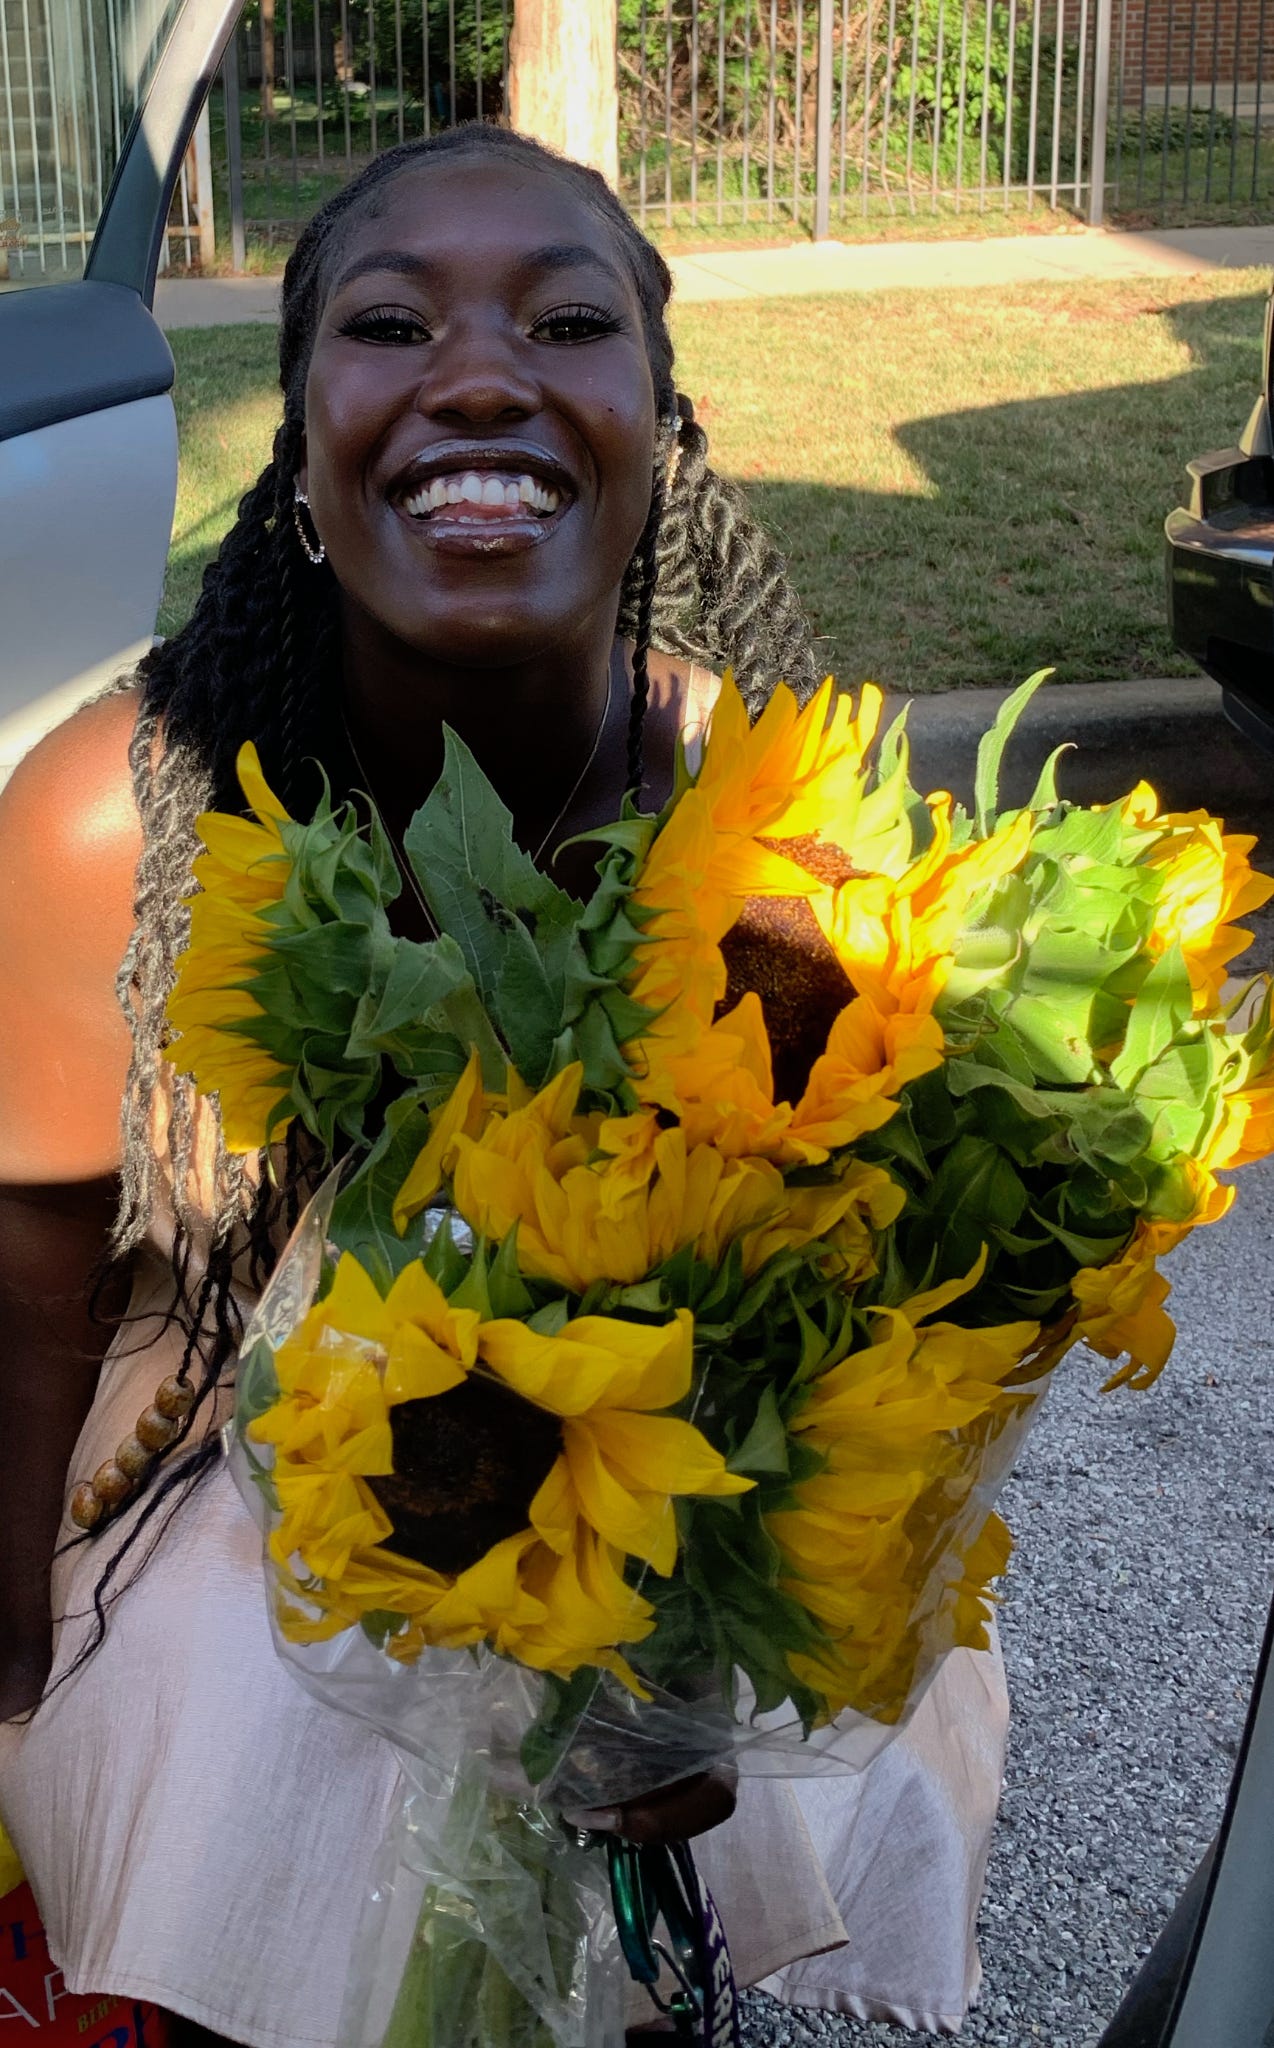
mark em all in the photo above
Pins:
pixel 1220 560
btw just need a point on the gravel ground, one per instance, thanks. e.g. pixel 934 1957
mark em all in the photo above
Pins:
pixel 1132 1619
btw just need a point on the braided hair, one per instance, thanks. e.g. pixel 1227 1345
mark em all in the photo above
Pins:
pixel 258 660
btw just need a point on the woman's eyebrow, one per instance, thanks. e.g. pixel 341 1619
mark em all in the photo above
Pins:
pixel 554 256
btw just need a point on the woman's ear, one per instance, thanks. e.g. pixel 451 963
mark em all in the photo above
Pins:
pixel 303 469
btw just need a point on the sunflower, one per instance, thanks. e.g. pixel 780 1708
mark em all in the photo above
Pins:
pixel 241 875
pixel 597 1198
pixel 451 1480
pixel 901 1428
pixel 1206 878
pixel 793 947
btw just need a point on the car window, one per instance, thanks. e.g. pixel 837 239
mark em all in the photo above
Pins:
pixel 72 74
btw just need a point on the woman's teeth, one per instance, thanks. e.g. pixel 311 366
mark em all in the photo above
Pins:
pixel 483 496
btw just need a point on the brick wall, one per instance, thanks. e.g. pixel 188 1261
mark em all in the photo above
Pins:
pixel 1229 41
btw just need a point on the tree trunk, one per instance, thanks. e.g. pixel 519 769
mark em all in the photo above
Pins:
pixel 562 86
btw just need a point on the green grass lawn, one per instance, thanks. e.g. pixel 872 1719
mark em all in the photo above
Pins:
pixel 969 485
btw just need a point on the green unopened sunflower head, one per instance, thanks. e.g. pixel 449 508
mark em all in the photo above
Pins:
pixel 288 934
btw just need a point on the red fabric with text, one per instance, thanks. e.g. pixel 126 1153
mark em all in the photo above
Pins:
pixel 35 2002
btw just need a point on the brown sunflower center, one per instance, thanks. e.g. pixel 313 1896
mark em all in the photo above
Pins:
pixel 467 1465
pixel 777 950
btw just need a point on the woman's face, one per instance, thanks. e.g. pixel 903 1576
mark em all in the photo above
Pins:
pixel 480 416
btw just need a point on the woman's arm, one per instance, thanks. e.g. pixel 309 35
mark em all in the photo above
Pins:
pixel 69 840
pixel 51 1243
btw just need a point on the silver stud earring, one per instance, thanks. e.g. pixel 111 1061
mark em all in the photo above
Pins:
pixel 314 554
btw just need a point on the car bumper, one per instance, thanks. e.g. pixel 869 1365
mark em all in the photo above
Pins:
pixel 1220 564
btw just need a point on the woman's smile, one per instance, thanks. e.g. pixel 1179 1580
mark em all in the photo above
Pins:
pixel 500 497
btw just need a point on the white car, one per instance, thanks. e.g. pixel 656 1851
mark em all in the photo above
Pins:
pixel 88 437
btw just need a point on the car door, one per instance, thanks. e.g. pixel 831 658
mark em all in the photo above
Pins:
pixel 98 99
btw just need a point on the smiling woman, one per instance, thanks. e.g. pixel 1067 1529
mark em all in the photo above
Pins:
pixel 487 508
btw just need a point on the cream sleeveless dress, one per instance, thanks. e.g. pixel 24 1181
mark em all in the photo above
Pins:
pixel 199 1831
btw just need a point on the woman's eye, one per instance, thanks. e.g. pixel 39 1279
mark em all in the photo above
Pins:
pixel 575 323
pixel 388 326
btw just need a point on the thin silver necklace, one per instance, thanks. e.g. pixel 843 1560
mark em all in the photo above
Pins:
pixel 400 853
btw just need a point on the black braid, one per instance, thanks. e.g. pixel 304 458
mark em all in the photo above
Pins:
pixel 647 558
pixel 724 592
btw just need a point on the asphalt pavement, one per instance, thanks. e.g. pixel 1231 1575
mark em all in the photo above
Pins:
pixel 1132 1617
pixel 1144 1522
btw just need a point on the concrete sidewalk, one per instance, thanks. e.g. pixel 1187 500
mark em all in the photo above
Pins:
pixel 815 268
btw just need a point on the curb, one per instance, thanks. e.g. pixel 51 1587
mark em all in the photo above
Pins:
pixel 1172 733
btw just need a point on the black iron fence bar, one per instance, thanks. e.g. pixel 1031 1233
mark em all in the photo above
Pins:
pixel 771 109
pixel 1033 119
pixel 800 136
pixel 99 161
pixel 1101 106
pixel 31 116
pixel 1256 126
pixel 1232 179
pixel 1059 66
pixel 1009 84
pixel 721 113
pixel 911 102
pixel 1121 78
pixel 844 100
pixel 887 111
pixel 668 113
pixel 962 94
pixel 112 51
pixel 75 58
pixel 1081 78
pixel 694 112
pixel 986 111
pixel 1194 40
pixel 823 123
pixel 234 154
pixel 937 110
pixel 747 104
pixel 289 59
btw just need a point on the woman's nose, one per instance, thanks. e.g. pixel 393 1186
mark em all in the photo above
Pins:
pixel 479 376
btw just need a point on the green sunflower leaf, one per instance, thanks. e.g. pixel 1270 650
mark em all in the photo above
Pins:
pixel 986 781
pixel 1164 1004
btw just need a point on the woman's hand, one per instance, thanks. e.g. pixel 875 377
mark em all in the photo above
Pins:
pixel 673 1813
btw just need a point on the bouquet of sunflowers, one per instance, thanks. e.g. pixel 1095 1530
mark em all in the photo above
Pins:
pixel 636 1390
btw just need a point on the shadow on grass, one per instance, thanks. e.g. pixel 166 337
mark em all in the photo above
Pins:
pixel 1040 541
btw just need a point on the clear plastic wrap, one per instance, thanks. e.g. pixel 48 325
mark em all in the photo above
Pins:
pixel 489 1923
pixel 486 1921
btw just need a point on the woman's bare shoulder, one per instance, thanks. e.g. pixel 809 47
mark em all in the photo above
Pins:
pixel 69 842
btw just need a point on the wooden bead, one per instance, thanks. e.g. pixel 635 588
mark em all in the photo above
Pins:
pixel 86 1508
pixel 175 1398
pixel 156 1431
pixel 133 1458
pixel 111 1484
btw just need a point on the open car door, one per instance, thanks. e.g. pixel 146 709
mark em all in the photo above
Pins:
pixel 98 100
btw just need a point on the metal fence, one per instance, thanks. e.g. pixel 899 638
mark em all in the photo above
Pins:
pixel 71 74
pixel 826 113
pixel 736 116
pixel 814 116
